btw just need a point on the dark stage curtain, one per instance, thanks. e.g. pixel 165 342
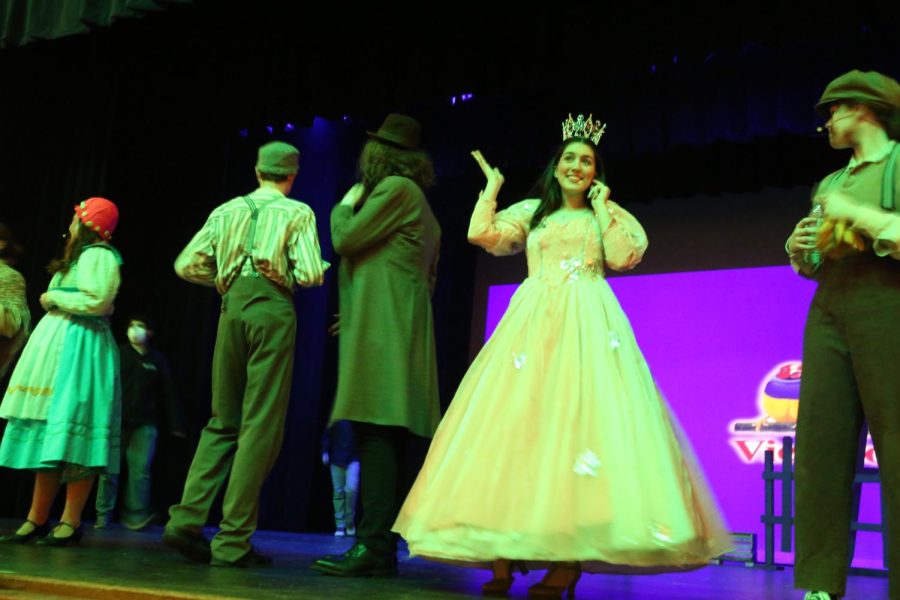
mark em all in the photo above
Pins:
pixel 25 21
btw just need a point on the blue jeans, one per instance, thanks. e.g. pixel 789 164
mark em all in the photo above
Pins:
pixel 139 446
pixel 345 481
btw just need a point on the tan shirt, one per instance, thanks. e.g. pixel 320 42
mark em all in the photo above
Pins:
pixel 861 180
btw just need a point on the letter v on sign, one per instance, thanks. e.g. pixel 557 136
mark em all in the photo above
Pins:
pixel 745 451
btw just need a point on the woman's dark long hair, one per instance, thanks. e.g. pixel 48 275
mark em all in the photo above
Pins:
pixel 378 161
pixel 74 247
pixel 547 187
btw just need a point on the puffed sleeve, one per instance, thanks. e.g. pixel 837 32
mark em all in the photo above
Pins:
pixel 501 233
pixel 96 285
pixel 624 241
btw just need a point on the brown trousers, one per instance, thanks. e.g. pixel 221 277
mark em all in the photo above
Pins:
pixel 251 383
pixel 851 373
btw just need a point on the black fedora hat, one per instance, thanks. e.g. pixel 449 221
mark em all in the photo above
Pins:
pixel 398 130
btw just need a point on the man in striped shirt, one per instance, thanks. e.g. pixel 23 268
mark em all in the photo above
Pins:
pixel 253 249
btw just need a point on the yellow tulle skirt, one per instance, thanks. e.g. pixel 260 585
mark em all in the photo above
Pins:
pixel 558 446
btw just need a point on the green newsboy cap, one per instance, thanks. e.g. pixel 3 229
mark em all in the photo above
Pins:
pixel 868 87
pixel 278 158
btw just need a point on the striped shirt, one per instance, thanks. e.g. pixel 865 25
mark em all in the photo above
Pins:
pixel 285 248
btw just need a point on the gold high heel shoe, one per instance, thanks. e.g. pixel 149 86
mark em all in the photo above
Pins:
pixel 560 577
pixel 499 586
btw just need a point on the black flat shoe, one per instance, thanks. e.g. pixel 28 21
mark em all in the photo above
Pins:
pixel 39 531
pixel 248 561
pixel 52 540
pixel 189 543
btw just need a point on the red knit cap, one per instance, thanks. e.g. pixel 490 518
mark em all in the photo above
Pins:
pixel 99 215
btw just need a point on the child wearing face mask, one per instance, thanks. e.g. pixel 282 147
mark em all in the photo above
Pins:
pixel 149 401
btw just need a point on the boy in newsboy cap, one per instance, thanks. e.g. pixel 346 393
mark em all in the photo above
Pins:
pixel 255 250
pixel 850 374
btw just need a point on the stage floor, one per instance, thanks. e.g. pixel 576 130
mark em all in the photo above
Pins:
pixel 124 565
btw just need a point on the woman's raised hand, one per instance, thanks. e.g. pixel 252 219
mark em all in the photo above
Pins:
pixel 494 176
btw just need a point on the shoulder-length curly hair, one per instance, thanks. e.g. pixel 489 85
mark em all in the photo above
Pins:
pixel 379 160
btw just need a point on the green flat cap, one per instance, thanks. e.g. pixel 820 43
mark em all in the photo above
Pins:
pixel 868 87
pixel 278 158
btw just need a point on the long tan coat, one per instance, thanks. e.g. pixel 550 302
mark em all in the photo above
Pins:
pixel 387 371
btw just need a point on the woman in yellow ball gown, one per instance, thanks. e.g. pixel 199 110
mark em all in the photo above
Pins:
pixel 558 450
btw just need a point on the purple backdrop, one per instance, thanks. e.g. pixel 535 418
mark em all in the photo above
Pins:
pixel 713 339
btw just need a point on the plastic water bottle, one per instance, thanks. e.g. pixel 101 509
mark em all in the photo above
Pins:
pixel 814 256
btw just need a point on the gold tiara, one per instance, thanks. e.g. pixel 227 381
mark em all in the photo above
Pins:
pixel 584 128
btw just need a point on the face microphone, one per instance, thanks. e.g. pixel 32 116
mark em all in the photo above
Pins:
pixel 821 128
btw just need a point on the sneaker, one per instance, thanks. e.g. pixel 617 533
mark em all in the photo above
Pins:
pixel 351 531
pixel 138 524
pixel 102 522
pixel 820 596
pixel 340 532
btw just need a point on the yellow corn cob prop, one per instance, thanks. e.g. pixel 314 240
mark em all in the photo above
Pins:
pixel 837 238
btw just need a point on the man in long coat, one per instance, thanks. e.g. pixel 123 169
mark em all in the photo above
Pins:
pixel 388 239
